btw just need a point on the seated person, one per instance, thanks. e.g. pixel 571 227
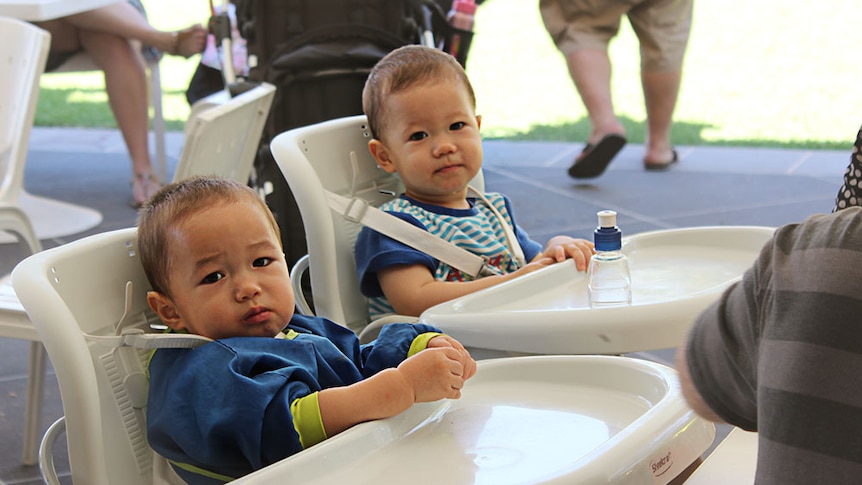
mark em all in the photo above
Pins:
pixel 780 353
pixel 271 383
pixel 112 36
pixel 422 114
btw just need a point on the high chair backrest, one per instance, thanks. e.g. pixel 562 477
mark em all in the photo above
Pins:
pixel 223 134
pixel 83 289
pixel 317 158
pixel 23 51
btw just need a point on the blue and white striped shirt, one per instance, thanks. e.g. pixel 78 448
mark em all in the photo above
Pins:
pixel 476 229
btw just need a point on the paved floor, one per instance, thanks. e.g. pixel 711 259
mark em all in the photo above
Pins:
pixel 710 186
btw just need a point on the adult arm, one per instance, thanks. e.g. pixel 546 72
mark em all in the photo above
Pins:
pixel 718 363
pixel 689 390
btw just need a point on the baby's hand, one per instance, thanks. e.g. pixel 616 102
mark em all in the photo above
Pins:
pixel 533 266
pixel 434 373
pixel 562 247
pixel 467 361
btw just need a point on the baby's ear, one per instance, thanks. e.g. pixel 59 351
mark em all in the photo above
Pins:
pixel 381 154
pixel 165 309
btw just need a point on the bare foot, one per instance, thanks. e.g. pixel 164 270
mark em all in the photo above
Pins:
pixel 144 186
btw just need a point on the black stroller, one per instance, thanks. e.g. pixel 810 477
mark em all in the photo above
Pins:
pixel 318 54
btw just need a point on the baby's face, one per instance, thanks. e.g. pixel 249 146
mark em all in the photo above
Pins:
pixel 228 276
pixel 432 140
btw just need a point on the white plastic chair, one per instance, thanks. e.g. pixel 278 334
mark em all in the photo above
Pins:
pixel 23 50
pixel 83 288
pixel 81 62
pixel 316 158
pixel 223 134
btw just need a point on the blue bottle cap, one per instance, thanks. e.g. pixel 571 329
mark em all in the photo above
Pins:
pixel 607 236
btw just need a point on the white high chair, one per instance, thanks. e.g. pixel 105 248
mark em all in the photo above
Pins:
pixel 223 134
pixel 547 419
pixel 317 158
pixel 676 273
pixel 76 290
pixel 23 50
pixel 221 137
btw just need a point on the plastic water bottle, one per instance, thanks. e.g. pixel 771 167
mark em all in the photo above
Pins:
pixel 609 275
pixel 461 17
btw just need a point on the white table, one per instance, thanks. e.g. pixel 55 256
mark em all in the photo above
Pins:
pixel 34 10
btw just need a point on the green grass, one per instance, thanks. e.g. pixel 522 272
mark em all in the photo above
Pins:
pixel 767 73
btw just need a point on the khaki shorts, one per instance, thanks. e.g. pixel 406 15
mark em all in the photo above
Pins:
pixel 662 27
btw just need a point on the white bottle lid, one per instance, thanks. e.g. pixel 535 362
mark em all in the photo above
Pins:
pixel 607 218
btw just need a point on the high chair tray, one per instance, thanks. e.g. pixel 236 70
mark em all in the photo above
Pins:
pixel 675 275
pixel 521 420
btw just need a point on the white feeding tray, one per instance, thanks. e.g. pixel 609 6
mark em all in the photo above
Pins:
pixel 521 420
pixel 675 274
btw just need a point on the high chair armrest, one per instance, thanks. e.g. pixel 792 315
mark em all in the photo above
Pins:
pixel 296 274
pixel 46 455
pixel 372 330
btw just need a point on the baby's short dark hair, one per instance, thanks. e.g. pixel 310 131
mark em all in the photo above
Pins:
pixel 403 68
pixel 175 203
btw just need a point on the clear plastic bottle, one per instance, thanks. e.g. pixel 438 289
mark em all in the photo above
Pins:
pixel 461 17
pixel 608 274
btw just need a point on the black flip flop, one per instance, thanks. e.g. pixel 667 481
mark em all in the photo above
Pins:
pixel 594 159
pixel 660 167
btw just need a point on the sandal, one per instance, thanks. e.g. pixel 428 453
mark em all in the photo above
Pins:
pixel 662 166
pixel 144 186
pixel 188 42
pixel 594 159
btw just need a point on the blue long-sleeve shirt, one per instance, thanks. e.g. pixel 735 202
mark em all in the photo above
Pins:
pixel 232 406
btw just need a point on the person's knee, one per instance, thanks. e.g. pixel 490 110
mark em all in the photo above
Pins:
pixel 658 61
pixel 110 51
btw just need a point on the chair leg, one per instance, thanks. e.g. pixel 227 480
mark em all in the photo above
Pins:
pixel 158 123
pixel 35 380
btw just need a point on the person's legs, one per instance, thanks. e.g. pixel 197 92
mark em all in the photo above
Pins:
pixel 105 34
pixel 661 90
pixel 126 86
pixel 123 20
pixel 590 70
pixel 662 28
pixel 582 30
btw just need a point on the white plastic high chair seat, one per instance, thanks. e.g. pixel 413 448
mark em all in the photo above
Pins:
pixel 223 135
pixel 75 292
pixel 333 156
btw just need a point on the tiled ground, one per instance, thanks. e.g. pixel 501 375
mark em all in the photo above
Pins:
pixel 711 186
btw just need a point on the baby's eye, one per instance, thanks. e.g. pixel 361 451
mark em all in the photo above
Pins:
pixel 457 126
pixel 212 278
pixel 262 262
pixel 419 135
